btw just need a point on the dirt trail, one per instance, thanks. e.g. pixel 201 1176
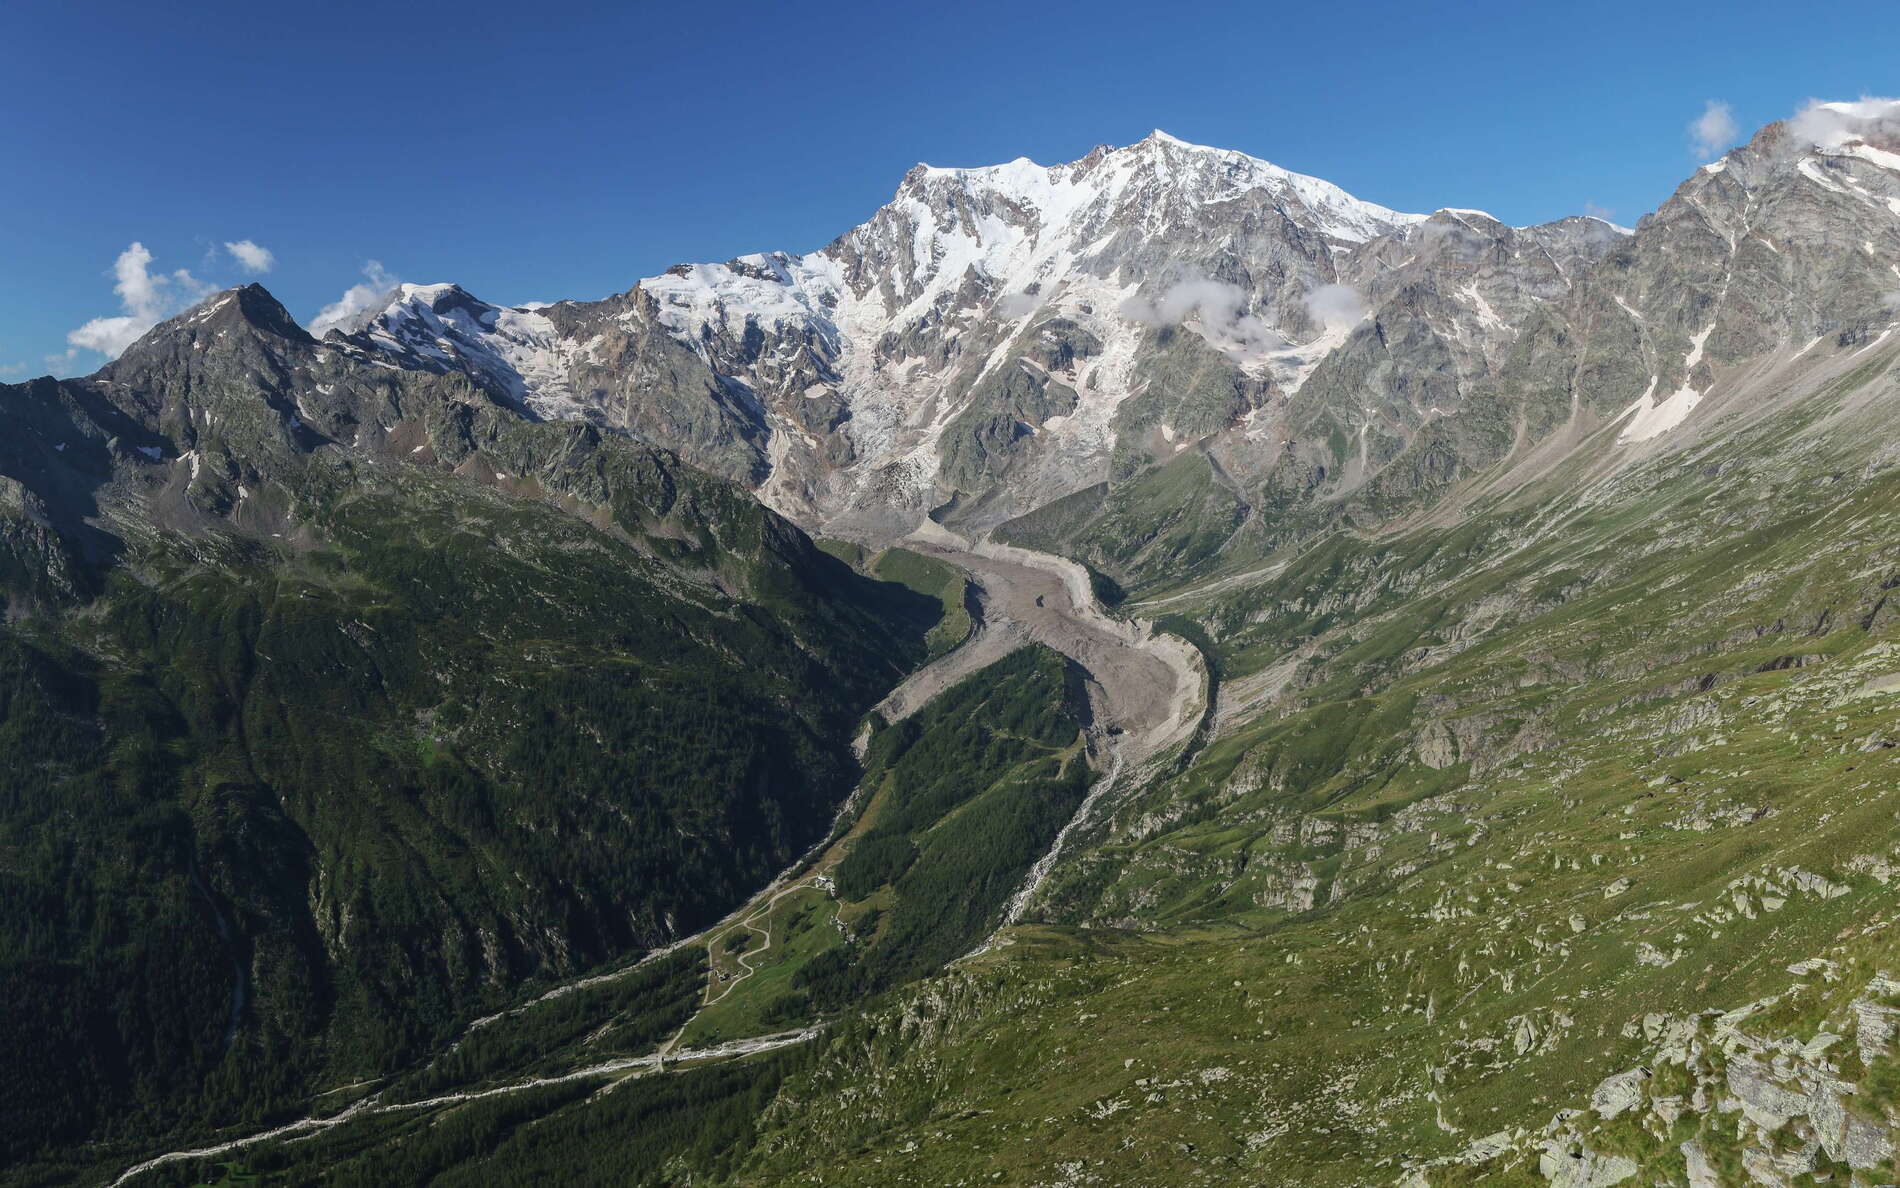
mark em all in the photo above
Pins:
pixel 757 910
pixel 1146 692
pixel 1208 589
pixel 371 1106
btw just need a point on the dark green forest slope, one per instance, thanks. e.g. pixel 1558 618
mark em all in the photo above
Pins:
pixel 964 796
pixel 340 703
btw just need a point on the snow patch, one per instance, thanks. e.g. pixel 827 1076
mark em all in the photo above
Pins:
pixel 1487 317
pixel 1652 418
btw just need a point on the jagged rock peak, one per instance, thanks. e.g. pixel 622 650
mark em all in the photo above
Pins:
pixel 246 312
pixel 1157 167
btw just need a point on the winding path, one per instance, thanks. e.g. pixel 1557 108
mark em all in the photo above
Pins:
pixel 371 1106
pixel 1146 691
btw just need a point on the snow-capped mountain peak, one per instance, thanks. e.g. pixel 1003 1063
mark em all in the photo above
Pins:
pixel 1161 167
pixel 987 327
pixel 517 353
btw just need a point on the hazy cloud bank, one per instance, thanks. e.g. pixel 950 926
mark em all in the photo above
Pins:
pixel 357 301
pixel 1713 131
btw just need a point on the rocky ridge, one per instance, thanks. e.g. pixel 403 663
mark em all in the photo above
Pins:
pixel 1008 335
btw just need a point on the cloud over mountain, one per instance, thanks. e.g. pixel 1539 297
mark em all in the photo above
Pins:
pixel 147 298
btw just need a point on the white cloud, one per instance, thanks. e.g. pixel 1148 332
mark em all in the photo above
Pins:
pixel 1592 210
pixel 1714 130
pixel 1010 305
pixel 1218 308
pixel 148 298
pixel 369 297
pixel 252 257
pixel 1336 306
pixel 110 336
pixel 1831 125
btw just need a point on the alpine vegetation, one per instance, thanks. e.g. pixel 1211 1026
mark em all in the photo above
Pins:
pixel 1144 670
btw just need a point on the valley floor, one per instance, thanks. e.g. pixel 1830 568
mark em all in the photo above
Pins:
pixel 1149 688
pixel 1147 693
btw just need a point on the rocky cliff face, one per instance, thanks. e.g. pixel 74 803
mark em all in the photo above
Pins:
pixel 995 339
pixel 1545 579
pixel 1781 244
pixel 1590 354
pixel 296 645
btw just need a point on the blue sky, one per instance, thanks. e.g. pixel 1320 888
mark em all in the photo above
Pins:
pixel 534 152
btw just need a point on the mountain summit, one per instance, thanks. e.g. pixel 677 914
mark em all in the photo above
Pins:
pixel 1290 692
pixel 994 338
pixel 997 338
